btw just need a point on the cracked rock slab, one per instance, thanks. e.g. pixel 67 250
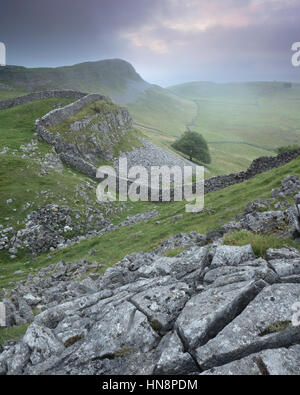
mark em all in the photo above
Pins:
pixel 174 359
pixel 282 253
pixel 232 256
pixel 207 313
pixel 263 324
pixel 121 325
pixel 286 268
pixel 281 361
pixel 249 271
pixel 162 304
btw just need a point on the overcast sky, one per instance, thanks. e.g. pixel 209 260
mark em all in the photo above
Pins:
pixel 167 41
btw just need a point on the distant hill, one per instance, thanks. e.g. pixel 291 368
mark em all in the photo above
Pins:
pixel 115 77
pixel 235 91
pixel 149 104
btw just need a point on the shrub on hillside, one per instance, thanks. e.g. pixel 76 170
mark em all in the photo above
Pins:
pixel 193 145
pixel 287 148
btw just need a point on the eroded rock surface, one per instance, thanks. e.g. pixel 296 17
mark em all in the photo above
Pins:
pixel 210 310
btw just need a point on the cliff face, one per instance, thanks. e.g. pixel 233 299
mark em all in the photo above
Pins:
pixel 91 130
pixel 97 135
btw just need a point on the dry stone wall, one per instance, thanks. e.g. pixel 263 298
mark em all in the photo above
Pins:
pixel 258 166
pixel 17 101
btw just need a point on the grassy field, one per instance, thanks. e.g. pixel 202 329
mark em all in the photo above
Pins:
pixel 17 123
pixel 263 114
pixel 225 159
pixel 10 94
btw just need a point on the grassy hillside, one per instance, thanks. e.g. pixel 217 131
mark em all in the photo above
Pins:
pixel 159 108
pixel 114 245
pixel 240 92
pixel 107 76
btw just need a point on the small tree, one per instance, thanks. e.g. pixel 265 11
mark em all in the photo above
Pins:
pixel 193 145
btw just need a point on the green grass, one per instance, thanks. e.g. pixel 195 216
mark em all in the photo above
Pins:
pixel 265 114
pixel 17 123
pixel 259 242
pixel 10 94
pixel 161 109
pixel 20 180
pixel 113 246
pixel 174 252
pixel 225 159
pixel 13 333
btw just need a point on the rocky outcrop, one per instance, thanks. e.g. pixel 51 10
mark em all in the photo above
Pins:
pixel 51 227
pixel 54 227
pixel 88 140
pixel 289 186
pixel 211 309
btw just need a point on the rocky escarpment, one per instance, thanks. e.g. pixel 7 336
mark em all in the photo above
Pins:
pixel 213 309
pixel 96 135
pixel 84 142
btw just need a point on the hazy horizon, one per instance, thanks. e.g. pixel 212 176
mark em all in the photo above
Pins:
pixel 154 83
pixel 167 41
